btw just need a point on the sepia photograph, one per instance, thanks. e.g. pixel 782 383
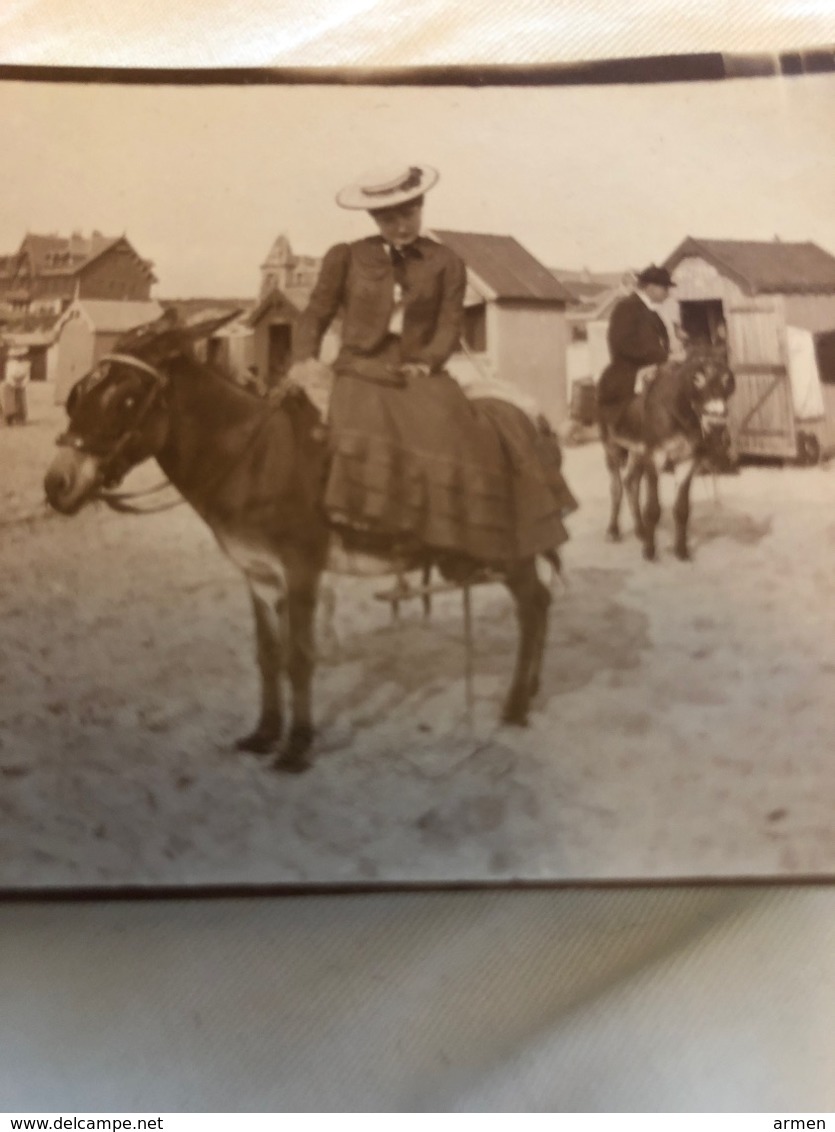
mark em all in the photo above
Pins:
pixel 416 485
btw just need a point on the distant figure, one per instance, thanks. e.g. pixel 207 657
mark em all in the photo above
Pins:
pixel 637 338
pixel 13 390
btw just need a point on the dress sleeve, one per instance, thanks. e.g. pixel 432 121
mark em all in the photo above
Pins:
pixel 450 318
pixel 325 300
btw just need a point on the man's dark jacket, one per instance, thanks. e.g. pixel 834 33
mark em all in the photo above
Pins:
pixel 637 338
pixel 359 278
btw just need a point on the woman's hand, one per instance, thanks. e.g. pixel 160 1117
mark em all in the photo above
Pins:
pixel 313 379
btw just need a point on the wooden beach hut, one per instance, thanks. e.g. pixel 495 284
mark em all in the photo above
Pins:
pixel 515 325
pixel 773 300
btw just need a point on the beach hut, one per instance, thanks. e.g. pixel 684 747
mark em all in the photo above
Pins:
pixel 90 328
pixel 772 300
pixel 232 347
pixel 515 325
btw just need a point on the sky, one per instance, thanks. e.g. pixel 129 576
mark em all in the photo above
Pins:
pixel 203 179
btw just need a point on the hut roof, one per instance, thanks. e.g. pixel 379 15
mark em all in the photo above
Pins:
pixel 288 304
pixel 765 266
pixel 117 317
pixel 507 269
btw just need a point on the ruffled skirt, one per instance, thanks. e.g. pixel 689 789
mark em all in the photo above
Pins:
pixel 420 465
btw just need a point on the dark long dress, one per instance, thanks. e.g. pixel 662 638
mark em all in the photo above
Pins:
pixel 414 460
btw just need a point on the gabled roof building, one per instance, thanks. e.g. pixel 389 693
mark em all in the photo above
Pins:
pixel 769 299
pixel 49 271
pixel 763 267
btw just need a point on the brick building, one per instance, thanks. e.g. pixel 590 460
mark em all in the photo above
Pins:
pixel 47 272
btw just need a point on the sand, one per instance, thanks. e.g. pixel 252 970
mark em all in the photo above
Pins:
pixel 684 728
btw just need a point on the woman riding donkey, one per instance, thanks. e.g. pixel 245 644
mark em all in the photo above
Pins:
pixel 414 463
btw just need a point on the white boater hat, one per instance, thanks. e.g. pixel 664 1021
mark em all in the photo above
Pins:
pixel 384 188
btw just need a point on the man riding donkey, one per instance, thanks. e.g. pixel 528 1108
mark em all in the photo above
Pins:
pixel 417 465
pixel 638 342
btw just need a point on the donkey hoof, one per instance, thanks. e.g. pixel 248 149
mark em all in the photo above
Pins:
pixel 259 742
pixel 515 714
pixel 612 536
pixel 649 553
pixel 515 718
pixel 295 758
pixel 292 764
pixel 683 554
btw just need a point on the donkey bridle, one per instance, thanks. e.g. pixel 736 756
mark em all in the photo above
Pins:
pixel 109 461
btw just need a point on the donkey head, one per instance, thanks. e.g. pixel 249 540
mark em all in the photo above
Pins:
pixel 118 412
pixel 711 384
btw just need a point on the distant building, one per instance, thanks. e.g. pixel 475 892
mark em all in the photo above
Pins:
pixel 287 272
pixel 48 272
pixel 286 282
pixel 595 295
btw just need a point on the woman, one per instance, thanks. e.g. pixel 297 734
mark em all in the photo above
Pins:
pixel 13 397
pixel 414 462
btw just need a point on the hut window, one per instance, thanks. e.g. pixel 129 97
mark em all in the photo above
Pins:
pixel 475 328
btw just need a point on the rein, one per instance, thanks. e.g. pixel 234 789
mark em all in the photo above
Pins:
pixel 121 501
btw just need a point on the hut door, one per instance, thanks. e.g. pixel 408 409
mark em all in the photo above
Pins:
pixel 761 412
pixel 279 360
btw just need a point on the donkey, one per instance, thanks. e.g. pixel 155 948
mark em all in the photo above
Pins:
pixel 254 471
pixel 679 420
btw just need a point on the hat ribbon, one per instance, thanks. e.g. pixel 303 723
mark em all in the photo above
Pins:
pixel 411 181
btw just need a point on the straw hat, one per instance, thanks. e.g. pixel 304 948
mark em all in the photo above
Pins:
pixel 384 188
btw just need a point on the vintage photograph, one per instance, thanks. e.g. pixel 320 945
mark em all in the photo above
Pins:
pixel 416 485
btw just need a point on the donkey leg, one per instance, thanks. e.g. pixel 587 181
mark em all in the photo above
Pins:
pixel 301 610
pixel 614 463
pixel 652 510
pixel 532 599
pixel 542 599
pixel 681 513
pixel 632 482
pixel 266 607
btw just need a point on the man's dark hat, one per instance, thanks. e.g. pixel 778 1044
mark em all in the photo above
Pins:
pixel 653 274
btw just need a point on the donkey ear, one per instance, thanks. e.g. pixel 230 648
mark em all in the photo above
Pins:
pixel 207 323
pixel 141 337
